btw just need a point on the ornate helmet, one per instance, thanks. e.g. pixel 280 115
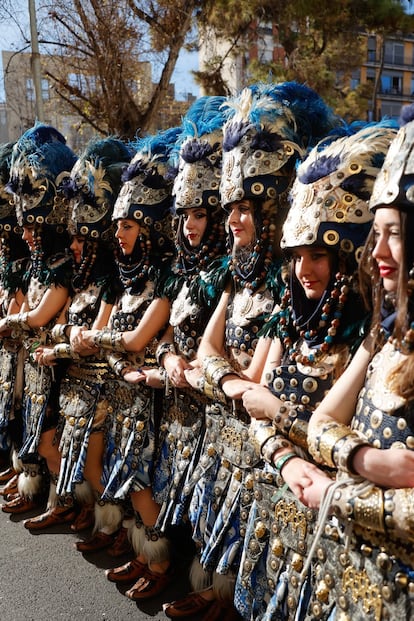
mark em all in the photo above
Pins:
pixel 41 160
pixel 200 152
pixel 272 127
pixel 197 183
pixel 8 220
pixel 146 193
pixel 395 182
pixel 332 188
pixel 94 185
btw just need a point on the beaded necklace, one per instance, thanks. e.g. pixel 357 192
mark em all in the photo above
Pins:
pixel 333 307
pixel 82 274
pixel 245 274
pixel 130 275
pixel 189 260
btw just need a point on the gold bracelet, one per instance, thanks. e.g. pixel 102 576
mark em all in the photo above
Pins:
pixel 298 433
pixel 331 434
pixel 109 339
pixel 215 368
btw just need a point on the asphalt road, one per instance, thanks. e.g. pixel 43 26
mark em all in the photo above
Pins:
pixel 44 578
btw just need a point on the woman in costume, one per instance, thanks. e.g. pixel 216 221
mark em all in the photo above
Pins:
pixel 200 239
pixel 262 142
pixel 13 263
pixel 91 190
pixel 143 220
pixel 316 328
pixel 41 160
pixel 364 568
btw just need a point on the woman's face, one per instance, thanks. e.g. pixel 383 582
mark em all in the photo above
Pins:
pixel 241 223
pixel 388 246
pixel 195 224
pixel 28 236
pixel 312 269
pixel 76 246
pixel 127 232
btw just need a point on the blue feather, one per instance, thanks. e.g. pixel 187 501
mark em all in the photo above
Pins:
pixel 407 114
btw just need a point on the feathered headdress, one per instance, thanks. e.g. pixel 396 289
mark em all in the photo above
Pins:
pixel 200 152
pixel 395 182
pixel 197 183
pixel 271 128
pixel 146 193
pixel 8 219
pixel 94 185
pixel 332 188
pixel 41 160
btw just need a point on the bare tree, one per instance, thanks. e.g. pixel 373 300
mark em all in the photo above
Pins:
pixel 103 53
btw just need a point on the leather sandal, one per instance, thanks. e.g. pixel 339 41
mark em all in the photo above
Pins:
pixel 52 517
pixel 85 519
pixel 99 541
pixel 6 475
pixel 188 606
pixel 10 487
pixel 121 545
pixel 150 585
pixel 127 573
pixel 20 505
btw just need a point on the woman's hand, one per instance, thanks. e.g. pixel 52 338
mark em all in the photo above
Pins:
pixel 44 356
pixel 175 367
pixel 193 377
pixel 154 378
pixel 235 387
pixel 392 467
pixel 134 375
pixel 260 403
pixel 81 341
pixel 318 482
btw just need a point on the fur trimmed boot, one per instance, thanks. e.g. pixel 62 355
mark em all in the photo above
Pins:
pixel 30 488
pixel 85 499
pixel 108 518
pixel 59 510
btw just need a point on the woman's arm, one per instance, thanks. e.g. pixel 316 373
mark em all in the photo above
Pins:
pixel 340 402
pixel 50 305
pixel 212 343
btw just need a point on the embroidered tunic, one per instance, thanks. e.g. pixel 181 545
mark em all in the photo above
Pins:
pixel 373 577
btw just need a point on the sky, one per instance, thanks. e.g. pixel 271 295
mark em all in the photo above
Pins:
pixel 10 39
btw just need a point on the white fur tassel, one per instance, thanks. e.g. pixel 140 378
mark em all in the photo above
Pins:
pixel 200 579
pixel 108 517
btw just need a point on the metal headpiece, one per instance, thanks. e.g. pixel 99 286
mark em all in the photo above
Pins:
pixel 41 161
pixel 272 127
pixel 332 188
pixel 395 182
pixel 94 184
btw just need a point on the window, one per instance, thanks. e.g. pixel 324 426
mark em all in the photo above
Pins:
pixel 394 53
pixel 45 89
pixel 372 50
pixel 30 90
pixel 391 84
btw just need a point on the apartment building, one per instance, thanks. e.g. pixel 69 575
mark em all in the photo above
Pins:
pixel 388 65
pixel 18 111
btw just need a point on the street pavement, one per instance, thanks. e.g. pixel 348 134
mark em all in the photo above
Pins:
pixel 44 578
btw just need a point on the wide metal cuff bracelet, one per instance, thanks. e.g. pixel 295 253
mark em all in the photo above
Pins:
pixel 118 363
pixel 322 442
pixel 63 350
pixel 109 339
pixel 162 349
pixel 215 368
pixel 58 333
pixel 18 320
